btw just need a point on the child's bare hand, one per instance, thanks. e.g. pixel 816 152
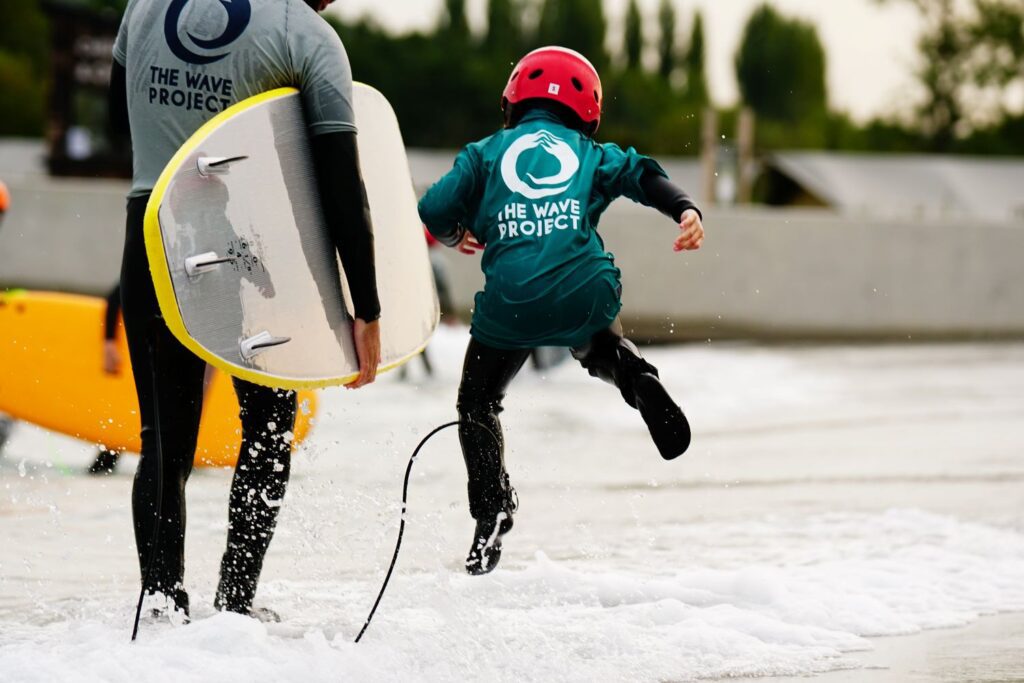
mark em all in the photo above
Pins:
pixel 692 235
pixel 468 245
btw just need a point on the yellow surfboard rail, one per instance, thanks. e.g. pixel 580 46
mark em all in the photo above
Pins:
pixel 51 345
pixel 161 274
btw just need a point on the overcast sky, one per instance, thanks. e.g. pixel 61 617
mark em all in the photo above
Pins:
pixel 869 45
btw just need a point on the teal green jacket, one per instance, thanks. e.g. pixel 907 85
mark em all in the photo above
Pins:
pixel 533 195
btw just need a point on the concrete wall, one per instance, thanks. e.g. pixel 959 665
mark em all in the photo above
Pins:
pixel 64 235
pixel 762 273
pixel 808 274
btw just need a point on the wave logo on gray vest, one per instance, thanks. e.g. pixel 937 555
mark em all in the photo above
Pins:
pixel 546 186
pixel 239 12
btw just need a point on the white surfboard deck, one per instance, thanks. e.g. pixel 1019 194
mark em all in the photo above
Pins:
pixel 275 310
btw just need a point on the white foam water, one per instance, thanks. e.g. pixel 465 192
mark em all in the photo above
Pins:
pixel 825 502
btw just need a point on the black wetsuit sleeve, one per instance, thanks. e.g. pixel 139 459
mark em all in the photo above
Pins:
pixel 446 207
pixel 347 212
pixel 110 317
pixel 666 196
pixel 117 101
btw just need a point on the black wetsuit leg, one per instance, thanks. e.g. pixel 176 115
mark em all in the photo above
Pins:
pixel 105 462
pixel 6 424
pixel 486 374
pixel 614 359
pixel 257 490
pixel 611 357
pixel 168 376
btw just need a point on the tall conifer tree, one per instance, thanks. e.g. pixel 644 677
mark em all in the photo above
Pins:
pixel 455 23
pixel 780 67
pixel 504 29
pixel 696 81
pixel 576 24
pixel 633 42
pixel 666 39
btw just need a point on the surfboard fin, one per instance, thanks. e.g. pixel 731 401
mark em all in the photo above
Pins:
pixel 258 343
pixel 205 262
pixel 208 166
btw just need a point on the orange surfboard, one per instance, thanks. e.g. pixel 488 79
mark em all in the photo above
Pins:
pixel 51 374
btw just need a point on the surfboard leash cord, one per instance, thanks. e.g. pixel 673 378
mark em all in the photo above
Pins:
pixel 405 504
pixel 159 492
pixel 401 523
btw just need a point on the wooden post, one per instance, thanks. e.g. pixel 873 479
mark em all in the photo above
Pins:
pixel 745 155
pixel 708 155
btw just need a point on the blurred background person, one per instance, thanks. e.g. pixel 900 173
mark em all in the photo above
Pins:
pixel 5 201
pixel 105 461
pixel 6 423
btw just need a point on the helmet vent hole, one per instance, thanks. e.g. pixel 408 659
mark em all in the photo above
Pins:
pixel 513 76
pixel 576 84
pixel 535 74
pixel 597 98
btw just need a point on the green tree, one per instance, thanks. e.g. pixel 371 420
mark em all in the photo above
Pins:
pixel 505 36
pixel 576 24
pixel 24 34
pixel 666 39
pixel 21 97
pixel 24 59
pixel 966 48
pixel 696 80
pixel 417 70
pixel 944 46
pixel 780 67
pixel 454 20
pixel 633 42
pixel 1006 137
pixel 998 32
pixel 113 8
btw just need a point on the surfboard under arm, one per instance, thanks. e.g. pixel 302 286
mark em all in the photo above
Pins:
pixel 243 265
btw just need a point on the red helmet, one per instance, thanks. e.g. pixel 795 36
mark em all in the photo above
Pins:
pixel 559 74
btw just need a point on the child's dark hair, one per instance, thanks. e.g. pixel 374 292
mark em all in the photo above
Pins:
pixel 515 112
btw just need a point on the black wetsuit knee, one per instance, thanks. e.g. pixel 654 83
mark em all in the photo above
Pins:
pixel 616 360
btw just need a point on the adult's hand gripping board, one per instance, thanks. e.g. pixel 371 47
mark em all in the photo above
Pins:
pixel 244 269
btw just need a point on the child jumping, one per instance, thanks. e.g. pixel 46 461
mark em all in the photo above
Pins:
pixel 530 197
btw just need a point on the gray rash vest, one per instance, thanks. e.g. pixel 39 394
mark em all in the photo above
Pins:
pixel 188 60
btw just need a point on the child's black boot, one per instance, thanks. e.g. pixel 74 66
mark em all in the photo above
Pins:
pixel 616 360
pixel 665 420
pixel 486 549
pixel 485 552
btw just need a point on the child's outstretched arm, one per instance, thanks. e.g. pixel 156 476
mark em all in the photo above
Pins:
pixel 662 194
pixel 630 174
pixel 445 208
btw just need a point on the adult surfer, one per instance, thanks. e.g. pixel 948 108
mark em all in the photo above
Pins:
pixel 176 65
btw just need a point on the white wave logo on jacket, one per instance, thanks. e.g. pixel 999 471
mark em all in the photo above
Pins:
pixel 538 188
